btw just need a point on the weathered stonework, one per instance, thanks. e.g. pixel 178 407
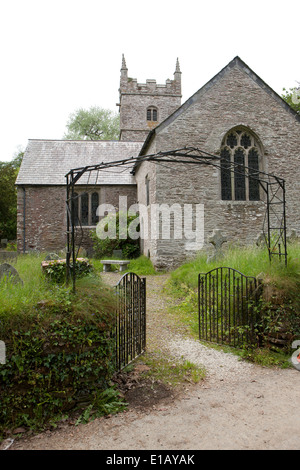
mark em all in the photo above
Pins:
pixel 136 97
pixel 235 98
pixel 42 219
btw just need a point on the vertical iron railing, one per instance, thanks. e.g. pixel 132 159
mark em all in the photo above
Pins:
pixel 130 325
pixel 227 301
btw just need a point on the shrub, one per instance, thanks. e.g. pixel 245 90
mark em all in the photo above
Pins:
pixel 120 241
pixel 280 313
pixel 55 270
pixel 59 354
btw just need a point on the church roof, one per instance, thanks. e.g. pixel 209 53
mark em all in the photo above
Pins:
pixel 235 62
pixel 46 162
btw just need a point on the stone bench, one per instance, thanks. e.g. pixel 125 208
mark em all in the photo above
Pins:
pixel 107 264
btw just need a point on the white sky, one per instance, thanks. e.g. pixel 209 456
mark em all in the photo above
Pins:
pixel 60 55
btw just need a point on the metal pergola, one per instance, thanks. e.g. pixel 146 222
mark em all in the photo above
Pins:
pixel 274 224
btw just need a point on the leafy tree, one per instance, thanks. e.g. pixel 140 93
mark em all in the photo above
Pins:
pixel 8 197
pixel 292 97
pixel 93 124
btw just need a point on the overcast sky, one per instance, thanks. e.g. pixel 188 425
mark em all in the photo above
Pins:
pixel 60 55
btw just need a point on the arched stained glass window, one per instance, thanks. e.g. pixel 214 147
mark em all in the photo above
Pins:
pixel 240 164
pixel 231 140
pixel 225 174
pixel 245 141
pixel 253 163
pixel 239 175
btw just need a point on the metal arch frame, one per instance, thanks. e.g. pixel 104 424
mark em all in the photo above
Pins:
pixel 272 185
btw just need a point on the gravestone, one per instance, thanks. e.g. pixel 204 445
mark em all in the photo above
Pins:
pixel 5 255
pixel 9 272
pixel 260 239
pixel 3 242
pixel 216 239
pixel 293 236
pixel 52 256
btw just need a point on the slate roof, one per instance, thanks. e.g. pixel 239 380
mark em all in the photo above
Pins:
pixel 46 162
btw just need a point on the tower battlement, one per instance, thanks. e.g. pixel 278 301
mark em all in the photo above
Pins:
pixel 144 105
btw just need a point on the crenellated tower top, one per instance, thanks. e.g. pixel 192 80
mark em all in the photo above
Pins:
pixel 145 105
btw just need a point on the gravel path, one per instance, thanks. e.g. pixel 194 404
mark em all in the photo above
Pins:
pixel 238 406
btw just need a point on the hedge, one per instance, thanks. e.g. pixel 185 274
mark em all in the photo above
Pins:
pixel 58 356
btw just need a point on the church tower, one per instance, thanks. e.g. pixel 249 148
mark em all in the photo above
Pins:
pixel 145 105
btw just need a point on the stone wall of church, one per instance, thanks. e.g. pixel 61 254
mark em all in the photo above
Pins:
pixel 133 123
pixel 232 99
pixel 136 98
pixel 146 182
pixel 133 118
pixel 42 220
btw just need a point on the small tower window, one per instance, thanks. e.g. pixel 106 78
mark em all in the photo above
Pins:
pixel 151 114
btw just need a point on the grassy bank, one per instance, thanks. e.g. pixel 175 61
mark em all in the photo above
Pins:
pixel 251 261
pixel 59 350
pixel 279 308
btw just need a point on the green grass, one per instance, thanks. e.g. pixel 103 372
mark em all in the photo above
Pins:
pixel 171 371
pixel 141 266
pixel 266 357
pixel 36 313
pixel 283 293
pixel 251 261
pixel 18 298
pixel 15 297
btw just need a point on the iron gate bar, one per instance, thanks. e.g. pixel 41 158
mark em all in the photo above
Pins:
pixel 226 306
pixel 190 155
pixel 130 323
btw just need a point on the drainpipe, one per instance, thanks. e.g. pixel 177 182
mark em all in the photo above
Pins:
pixel 24 219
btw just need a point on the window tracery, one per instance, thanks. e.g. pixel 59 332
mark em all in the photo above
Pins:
pixel 239 150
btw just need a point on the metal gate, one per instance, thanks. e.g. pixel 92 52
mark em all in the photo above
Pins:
pixel 227 310
pixel 130 327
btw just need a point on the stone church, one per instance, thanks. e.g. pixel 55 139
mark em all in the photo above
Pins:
pixel 236 116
